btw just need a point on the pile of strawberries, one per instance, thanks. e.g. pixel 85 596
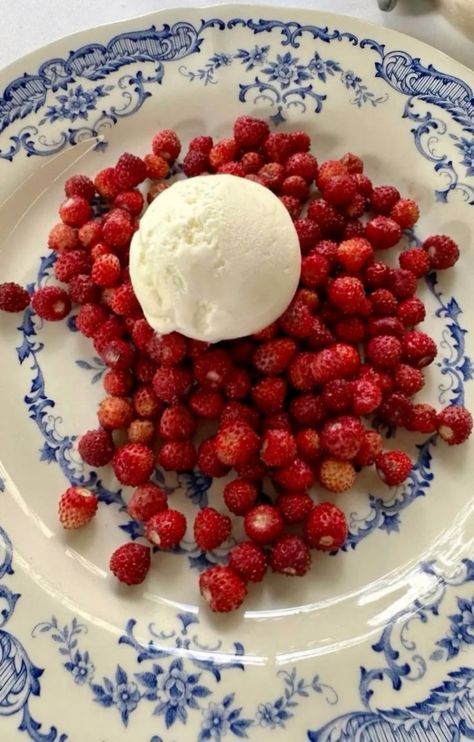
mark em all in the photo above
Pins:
pixel 288 403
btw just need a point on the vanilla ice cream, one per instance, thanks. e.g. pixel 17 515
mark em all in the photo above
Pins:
pixel 215 257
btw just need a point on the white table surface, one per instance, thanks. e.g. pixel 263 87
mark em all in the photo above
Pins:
pixel 29 24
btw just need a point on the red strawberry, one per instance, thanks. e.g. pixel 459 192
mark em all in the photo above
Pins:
pixel 236 443
pixel 290 556
pixel 222 589
pixel 454 424
pixel 393 467
pixel 77 506
pixel 166 528
pixel 326 527
pixel 240 496
pixel 96 447
pixel 249 561
pixel 211 529
pixel 130 563
pixel 263 524
pixel 133 463
pixel 146 501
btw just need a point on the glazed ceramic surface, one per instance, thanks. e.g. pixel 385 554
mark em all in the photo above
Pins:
pixel 377 643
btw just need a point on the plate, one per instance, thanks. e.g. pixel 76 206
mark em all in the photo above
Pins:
pixel 377 644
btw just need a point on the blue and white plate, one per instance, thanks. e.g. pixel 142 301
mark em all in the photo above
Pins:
pixel 378 642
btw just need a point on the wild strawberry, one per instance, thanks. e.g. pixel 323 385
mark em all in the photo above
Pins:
pixel 353 210
pixel 371 447
pixel 236 443
pixel 341 361
pixel 223 151
pixel 172 384
pixel 300 374
pixel 308 444
pixel 328 170
pixel 118 229
pixel 62 237
pixel 253 470
pixel 272 175
pixel 106 183
pixel 291 204
pixel 239 412
pixel 133 464
pixel 248 561
pixel 90 233
pixel 297 321
pixel 177 424
pixel 381 379
pixel 96 447
pixel 278 448
pixel 274 356
pixel 222 589
pixel 177 456
pixel 364 184
pixel 75 211
pixel 276 421
pixel 232 168
pixel 90 319
pixel 408 380
pixel 130 563
pixel 411 311
pixel 354 254
pixel 166 144
pixel 131 201
pixel 294 477
pixel 240 496
pixel 130 171
pixel 252 162
pixel 115 413
pixel 211 368
pixel 377 326
pixel 384 351
pixel 383 199
pixel 442 251
pixel 197 347
pixel 296 186
pixel 330 222
pixel 77 507
pixel 422 419
pixel 51 303
pixel 238 383
pixel 337 395
pixel 383 232
pixel 144 370
pixel 157 167
pixel 145 402
pixel 395 409
pixel 454 424
pixel 82 289
pixel 415 260
pixel 302 164
pixel 124 302
pixel 79 185
pixel 118 354
pixel 308 409
pixel 267 333
pixel 141 431
pixel 295 507
pixel 13 297
pixel 211 529
pixel 393 467
pixel 321 336
pixel 106 270
pixel 207 404
pixel 376 275
pixel 366 398
pixel 146 501
pixel 336 476
pixel 277 147
pixel 141 334
pixel 308 233
pixel 347 294
pixel 418 349
pixel 201 144
pixel 167 350
pixel 339 190
pixel 249 132
pixel 342 437
pixel 99 250
pixel 166 528
pixel 384 303
pixel 290 556
pixel 326 528
pixel 195 163
pixel 327 249
pixel 314 270
pixel 263 524
pixel 350 330
pixel 401 282
pixel 405 212
pixel 208 462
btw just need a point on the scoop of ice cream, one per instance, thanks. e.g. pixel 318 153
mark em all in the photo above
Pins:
pixel 215 257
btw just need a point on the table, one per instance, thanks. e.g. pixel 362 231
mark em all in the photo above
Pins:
pixel 29 24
